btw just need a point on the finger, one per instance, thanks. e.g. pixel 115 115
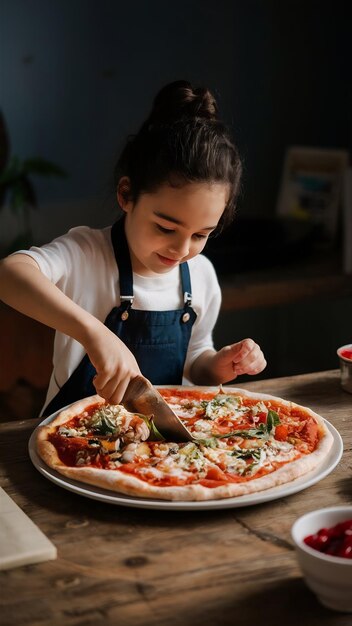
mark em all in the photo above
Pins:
pixel 258 367
pixel 106 391
pixel 250 366
pixel 241 349
pixel 119 391
pixel 101 379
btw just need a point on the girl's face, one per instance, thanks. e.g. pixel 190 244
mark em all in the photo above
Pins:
pixel 171 225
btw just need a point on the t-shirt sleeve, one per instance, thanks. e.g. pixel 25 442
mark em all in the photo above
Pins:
pixel 208 300
pixel 56 259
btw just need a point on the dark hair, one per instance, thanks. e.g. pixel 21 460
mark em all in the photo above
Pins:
pixel 181 141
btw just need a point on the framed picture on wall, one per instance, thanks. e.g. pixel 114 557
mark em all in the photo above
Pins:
pixel 347 222
pixel 312 187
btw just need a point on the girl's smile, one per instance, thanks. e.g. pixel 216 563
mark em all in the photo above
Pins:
pixel 172 225
pixel 166 261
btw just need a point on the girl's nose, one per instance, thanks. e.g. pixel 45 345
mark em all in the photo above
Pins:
pixel 180 248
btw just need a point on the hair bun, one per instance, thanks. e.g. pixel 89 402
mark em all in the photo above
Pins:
pixel 179 100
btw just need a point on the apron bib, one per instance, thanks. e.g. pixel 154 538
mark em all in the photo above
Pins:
pixel 158 339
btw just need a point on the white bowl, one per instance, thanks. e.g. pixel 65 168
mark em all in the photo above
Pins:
pixel 329 577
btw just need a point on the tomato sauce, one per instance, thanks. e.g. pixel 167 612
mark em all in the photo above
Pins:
pixel 347 353
pixel 215 476
pixel 68 447
pixel 164 481
pixel 189 395
pixel 336 541
pixel 75 422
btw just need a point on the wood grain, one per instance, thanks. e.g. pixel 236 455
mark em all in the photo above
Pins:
pixel 123 566
pixel 26 348
pixel 238 295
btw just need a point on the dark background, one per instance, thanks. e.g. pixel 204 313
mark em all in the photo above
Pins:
pixel 78 76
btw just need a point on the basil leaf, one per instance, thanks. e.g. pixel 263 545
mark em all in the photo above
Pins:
pixel 247 454
pixel 208 408
pixel 157 436
pixel 154 434
pixel 261 432
pixel 272 420
pixel 221 400
pixel 210 442
pixel 105 426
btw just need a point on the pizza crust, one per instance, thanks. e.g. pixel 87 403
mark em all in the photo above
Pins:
pixel 45 448
pixel 75 409
pixel 132 485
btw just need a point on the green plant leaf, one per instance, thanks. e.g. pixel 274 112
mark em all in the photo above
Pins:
pixel 17 197
pixel 11 173
pixel 43 168
pixel 22 195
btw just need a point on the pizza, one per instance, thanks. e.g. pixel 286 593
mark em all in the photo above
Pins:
pixel 243 443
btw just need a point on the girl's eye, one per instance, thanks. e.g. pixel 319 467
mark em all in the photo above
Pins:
pixel 170 231
pixel 200 236
pixel 166 231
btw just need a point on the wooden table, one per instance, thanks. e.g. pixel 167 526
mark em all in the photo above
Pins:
pixel 119 565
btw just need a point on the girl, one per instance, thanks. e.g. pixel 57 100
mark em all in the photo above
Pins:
pixel 138 296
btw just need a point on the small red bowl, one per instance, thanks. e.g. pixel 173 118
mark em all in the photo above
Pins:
pixel 345 356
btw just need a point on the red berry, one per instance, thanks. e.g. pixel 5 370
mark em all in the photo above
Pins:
pixel 336 541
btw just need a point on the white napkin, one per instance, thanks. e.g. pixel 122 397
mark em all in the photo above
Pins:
pixel 21 541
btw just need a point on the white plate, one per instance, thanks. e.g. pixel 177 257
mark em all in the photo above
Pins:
pixel 112 497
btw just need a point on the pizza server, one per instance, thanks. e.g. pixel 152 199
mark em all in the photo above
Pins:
pixel 141 397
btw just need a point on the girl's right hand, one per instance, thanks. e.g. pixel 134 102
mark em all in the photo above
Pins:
pixel 24 287
pixel 114 363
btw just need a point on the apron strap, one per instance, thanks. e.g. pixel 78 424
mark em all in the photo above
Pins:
pixel 186 284
pixel 123 261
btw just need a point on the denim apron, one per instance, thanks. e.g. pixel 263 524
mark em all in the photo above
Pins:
pixel 157 339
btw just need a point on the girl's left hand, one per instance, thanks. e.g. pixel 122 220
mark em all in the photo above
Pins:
pixel 244 357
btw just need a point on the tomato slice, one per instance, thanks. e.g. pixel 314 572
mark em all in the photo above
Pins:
pixel 281 432
pixel 309 433
pixel 215 473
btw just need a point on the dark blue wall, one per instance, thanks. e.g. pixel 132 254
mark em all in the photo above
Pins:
pixel 78 76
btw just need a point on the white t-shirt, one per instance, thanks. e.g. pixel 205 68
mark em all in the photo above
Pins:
pixel 82 264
